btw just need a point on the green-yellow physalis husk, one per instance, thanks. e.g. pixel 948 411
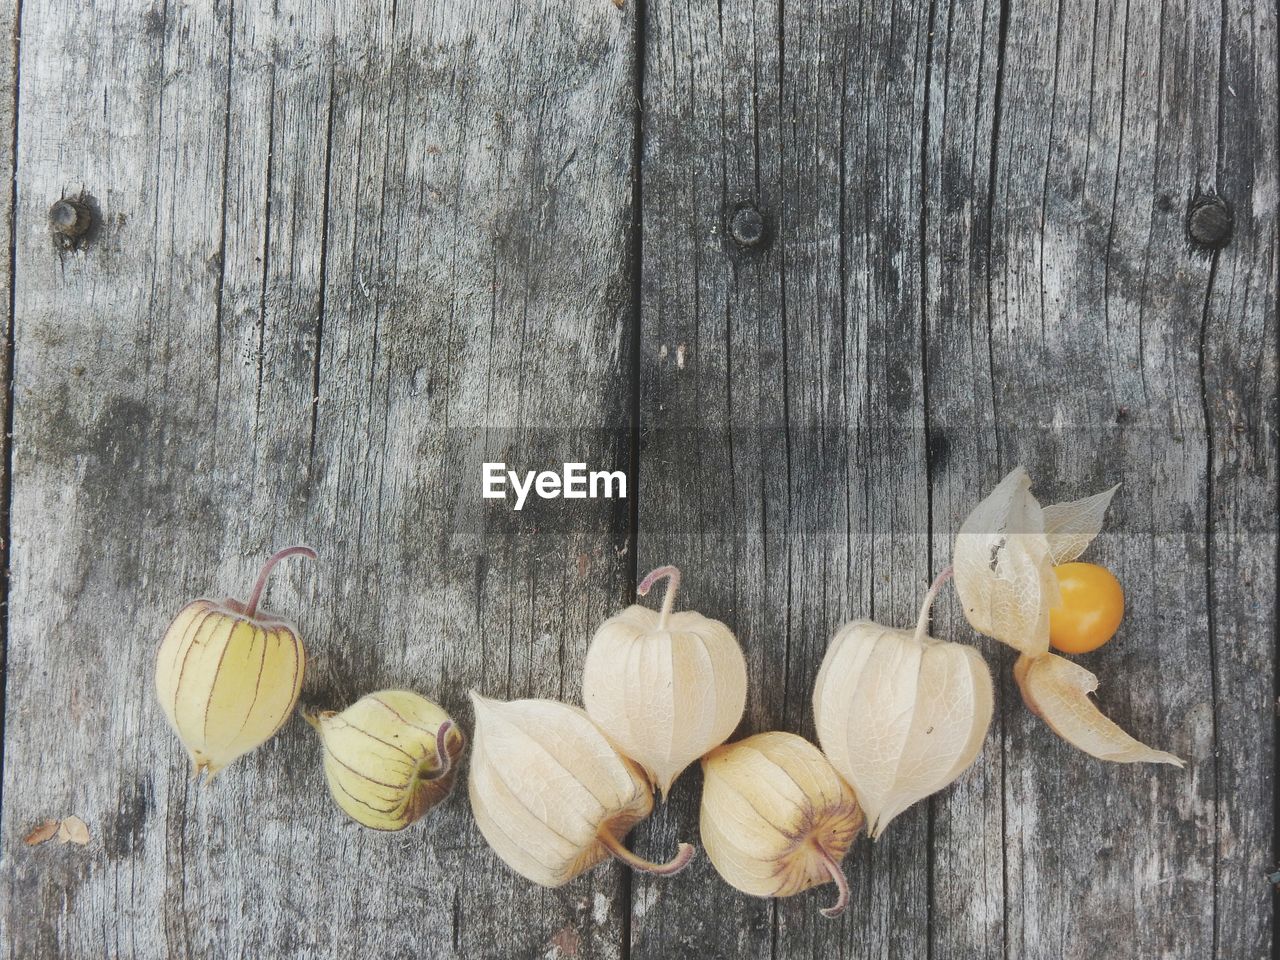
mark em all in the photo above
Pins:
pixel 900 714
pixel 228 674
pixel 551 795
pixel 664 687
pixel 776 817
pixel 389 757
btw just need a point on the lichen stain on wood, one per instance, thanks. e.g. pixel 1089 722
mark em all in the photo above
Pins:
pixel 566 942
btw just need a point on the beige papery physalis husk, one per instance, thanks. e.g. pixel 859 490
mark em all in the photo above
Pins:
pixel 776 818
pixel 664 687
pixel 899 713
pixel 1004 557
pixel 551 795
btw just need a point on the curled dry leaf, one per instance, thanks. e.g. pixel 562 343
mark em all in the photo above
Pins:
pixel 1057 690
pixel 45 831
pixel 73 830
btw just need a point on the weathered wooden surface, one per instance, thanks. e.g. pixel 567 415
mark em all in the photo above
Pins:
pixel 348 252
pixel 8 107
pixel 979 258
pixel 804 501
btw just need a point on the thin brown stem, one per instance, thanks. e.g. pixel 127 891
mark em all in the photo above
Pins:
pixel 922 624
pixel 673 866
pixel 838 877
pixel 251 608
pixel 672 575
pixel 442 751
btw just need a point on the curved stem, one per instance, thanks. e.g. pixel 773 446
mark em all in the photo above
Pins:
pixel 251 608
pixel 673 584
pixel 841 882
pixel 922 624
pixel 442 752
pixel 673 866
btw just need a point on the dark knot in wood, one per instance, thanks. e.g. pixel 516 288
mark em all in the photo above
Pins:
pixel 1210 222
pixel 748 227
pixel 70 219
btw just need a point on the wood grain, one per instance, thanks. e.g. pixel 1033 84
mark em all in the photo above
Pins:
pixel 347 253
pixel 8 128
pixel 1239 387
pixel 1109 130
pixel 783 463
pixel 1064 326
pixel 967 849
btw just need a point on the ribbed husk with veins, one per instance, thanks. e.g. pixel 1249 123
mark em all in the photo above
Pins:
pixel 228 675
pixel 899 713
pixel 776 818
pixel 664 687
pixel 389 757
pixel 550 793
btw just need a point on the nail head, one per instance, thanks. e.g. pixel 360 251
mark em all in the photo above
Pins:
pixel 747 226
pixel 1210 222
pixel 69 218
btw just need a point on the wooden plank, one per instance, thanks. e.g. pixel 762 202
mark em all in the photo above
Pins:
pixel 415 214
pixel 783 453
pixel 1108 128
pixel 108 534
pixel 8 131
pixel 967 844
pixel 1062 316
pixel 476 246
pixel 1239 383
